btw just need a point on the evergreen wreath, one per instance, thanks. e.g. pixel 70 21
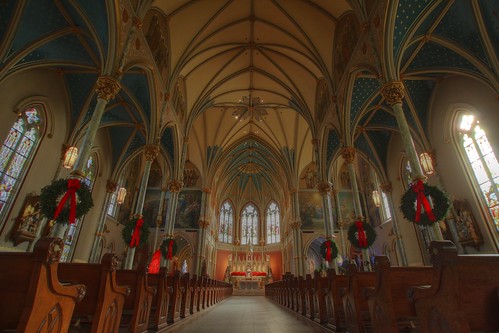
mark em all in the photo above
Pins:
pixel 129 228
pixel 51 194
pixel 440 207
pixel 164 247
pixel 334 249
pixel 353 237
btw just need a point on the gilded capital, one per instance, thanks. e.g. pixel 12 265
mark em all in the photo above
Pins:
pixel 393 92
pixel 206 190
pixel 386 188
pixel 348 154
pixel 293 191
pixel 151 152
pixel 203 224
pixel 295 225
pixel 324 187
pixel 107 88
pixel 111 186
pixel 175 185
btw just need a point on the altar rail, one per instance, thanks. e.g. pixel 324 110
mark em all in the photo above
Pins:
pixel 459 294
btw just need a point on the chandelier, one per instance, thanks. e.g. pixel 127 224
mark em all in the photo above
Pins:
pixel 251 107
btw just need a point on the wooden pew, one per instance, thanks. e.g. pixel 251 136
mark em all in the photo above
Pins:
pixel 357 319
pixel 462 297
pixel 320 298
pixel 138 304
pixel 102 306
pixel 174 305
pixel 31 297
pixel 185 294
pixel 389 308
pixel 158 318
pixel 334 304
pixel 302 288
pixel 194 291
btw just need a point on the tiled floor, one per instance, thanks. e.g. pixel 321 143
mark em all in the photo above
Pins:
pixel 247 314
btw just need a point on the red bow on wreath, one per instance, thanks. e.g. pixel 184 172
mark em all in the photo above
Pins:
pixel 328 250
pixel 170 250
pixel 421 200
pixel 361 234
pixel 134 242
pixel 73 186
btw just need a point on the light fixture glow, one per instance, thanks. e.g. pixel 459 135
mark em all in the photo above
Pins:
pixel 70 157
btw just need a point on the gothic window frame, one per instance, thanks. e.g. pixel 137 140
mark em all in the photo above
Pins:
pixel 458 134
pixel 255 223
pixel 20 174
pixel 273 238
pixel 223 214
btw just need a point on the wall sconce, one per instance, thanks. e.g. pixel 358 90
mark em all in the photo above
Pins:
pixel 121 195
pixel 70 157
pixel 426 163
pixel 376 198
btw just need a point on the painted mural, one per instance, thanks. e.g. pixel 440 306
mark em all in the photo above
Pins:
pixel 188 209
pixel 311 213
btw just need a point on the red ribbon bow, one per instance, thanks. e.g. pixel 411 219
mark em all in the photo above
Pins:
pixel 135 241
pixel 361 234
pixel 328 250
pixel 73 186
pixel 169 255
pixel 422 200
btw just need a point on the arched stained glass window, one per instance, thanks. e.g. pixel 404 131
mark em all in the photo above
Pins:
pixel 273 221
pixel 249 225
pixel 482 161
pixel 16 153
pixel 226 223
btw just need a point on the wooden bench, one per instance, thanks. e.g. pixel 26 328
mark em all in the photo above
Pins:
pixel 103 304
pixel 194 291
pixel 185 295
pixel 158 318
pixel 357 319
pixel 174 304
pixel 31 296
pixel 389 307
pixel 138 304
pixel 333 298
pixel 462 297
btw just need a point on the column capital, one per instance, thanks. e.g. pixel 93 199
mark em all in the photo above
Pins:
pixel 186 140
pixel 206 190
pixel 107 88
pixel 158 221
pixel 111 186
pixel 175 185
pixel 293 191
pixel 348 154
pixel 296 225
pixel 386 188
pixel 324 187
pixel 237 242
pixel 203 224
pixel 393 92
pixel 151 152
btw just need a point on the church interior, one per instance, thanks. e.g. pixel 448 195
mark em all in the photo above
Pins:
pixel 250 141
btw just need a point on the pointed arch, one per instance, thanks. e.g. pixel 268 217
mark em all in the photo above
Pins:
pixel 226 222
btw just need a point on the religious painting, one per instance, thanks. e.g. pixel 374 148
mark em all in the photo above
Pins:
pixel 191 175
pixel 347 210
pixel 188 209
pixel 311 213
pixel 346 36
pixel 466 226
pixel 28 220
pixel 150 210
pixel 157 37
pixel 308 177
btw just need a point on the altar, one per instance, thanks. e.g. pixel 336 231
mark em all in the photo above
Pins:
pixel 248 275
pixel 248 287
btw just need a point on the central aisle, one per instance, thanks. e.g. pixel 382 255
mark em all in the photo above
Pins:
pixel 247 314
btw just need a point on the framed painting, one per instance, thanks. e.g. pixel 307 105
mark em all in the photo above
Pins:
pixel 28 220
pixel 311 213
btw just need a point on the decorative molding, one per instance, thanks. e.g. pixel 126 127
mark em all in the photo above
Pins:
pixel 107 88
pixel 393 92
pixel 151 152
pixel 175 185
pixel 111 186
pixel 324 187
pixel 348 154
pixel 386 188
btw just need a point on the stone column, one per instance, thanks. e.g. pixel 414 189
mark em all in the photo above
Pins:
pixel 348 154
pixel 203 223
pixel 111 187
pixel 296 229
pixel 159 218
pixel 151 152
pixel 387 189
pixel 174 187
pixel 325 189
pixel 394 93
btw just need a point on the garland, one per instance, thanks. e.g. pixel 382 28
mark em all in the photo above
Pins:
pixel 50 200
pixel 366 232
pixel 415 199
pixel 168 248
pixel 329 250
pixel 129 230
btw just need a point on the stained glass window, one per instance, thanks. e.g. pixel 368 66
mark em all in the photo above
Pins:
pixel 249 225
pixel 273 224
pixel 15 153
pixel 483 162
pixel 226 223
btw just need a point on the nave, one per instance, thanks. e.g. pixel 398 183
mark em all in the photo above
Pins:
pixel 247 314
